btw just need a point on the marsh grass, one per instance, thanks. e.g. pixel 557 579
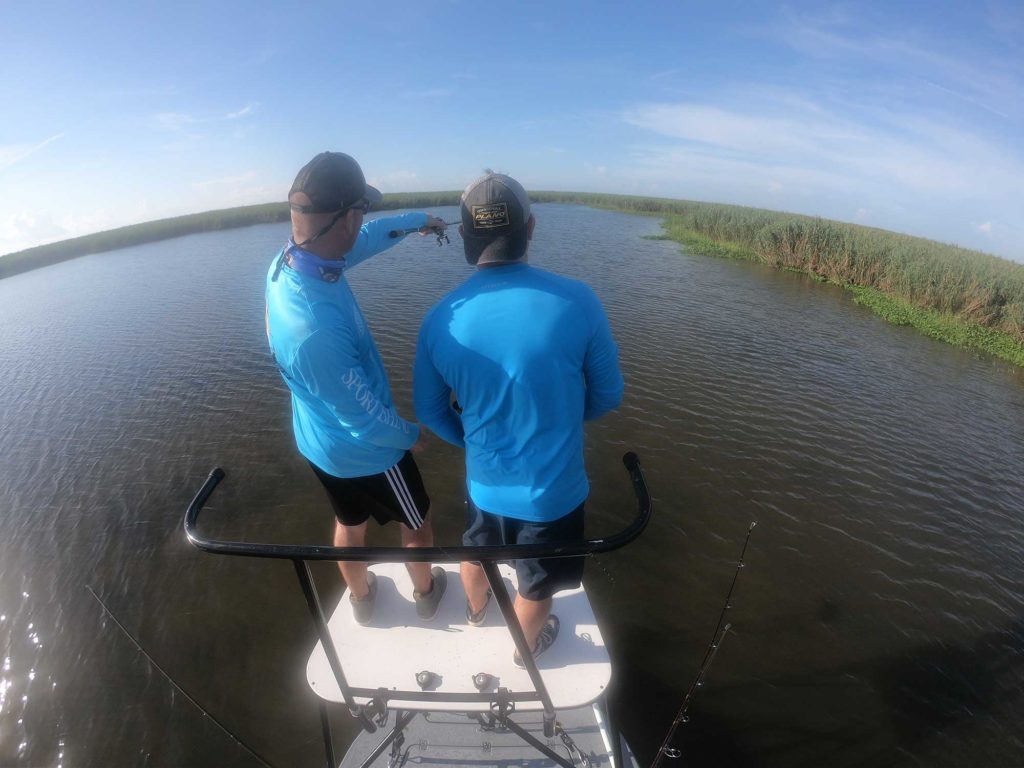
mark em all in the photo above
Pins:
pixel 964 297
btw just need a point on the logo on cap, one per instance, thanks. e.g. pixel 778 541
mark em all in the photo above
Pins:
pixel 490 216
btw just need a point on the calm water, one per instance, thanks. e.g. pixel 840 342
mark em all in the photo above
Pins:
pixel 880 620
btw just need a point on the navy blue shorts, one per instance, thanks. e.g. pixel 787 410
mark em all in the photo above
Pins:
pixel 395 494
pixel 538 579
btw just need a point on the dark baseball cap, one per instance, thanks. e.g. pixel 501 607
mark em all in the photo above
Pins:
pixel 333 181
pixel 495 211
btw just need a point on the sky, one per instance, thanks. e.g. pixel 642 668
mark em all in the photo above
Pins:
pixel 907 116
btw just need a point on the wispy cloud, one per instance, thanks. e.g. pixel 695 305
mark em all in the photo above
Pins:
pixel 13 153
pixel 804 156
pixel 243 112
pixel 178 121
pixel 976 75
pixel 920 152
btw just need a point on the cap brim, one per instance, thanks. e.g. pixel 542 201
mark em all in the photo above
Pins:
pixel 373 195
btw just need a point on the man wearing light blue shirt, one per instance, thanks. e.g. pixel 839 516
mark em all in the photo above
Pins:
pixel 344 421
pixel 528 355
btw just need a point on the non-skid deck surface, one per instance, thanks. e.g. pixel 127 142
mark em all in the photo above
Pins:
pixel 396 645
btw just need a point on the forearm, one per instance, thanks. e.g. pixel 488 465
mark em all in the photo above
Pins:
pixel 376 236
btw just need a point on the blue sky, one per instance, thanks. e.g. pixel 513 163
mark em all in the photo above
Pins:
pixel 906 116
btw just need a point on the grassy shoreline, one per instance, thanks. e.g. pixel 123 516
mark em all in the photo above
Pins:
pixel 963 297
pixel 164 229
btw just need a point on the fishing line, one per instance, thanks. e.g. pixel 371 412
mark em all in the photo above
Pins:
pixel 177 687
pixel 705 665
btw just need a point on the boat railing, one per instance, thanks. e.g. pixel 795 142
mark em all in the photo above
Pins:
pixel 487 556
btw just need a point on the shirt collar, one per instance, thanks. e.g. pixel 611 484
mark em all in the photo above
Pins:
pixel 306 263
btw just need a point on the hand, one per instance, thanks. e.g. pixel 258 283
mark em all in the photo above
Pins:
pixel 434 226
pixel 421 441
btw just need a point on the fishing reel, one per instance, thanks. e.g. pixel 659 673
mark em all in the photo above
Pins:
pixel 442 236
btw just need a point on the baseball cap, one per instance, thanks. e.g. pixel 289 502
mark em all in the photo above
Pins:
pixel 495 210
pixel 333 181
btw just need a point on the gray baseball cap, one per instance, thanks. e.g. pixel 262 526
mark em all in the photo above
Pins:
pixel 333 181
pixel 495 210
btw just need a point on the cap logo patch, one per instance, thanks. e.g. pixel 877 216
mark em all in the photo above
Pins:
pixel 490 216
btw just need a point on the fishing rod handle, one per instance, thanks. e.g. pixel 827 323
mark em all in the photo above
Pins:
pixel 403 232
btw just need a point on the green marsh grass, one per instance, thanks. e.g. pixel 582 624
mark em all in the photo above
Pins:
pixel 964 297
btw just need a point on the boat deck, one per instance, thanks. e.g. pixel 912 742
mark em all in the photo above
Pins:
pixel 396 645
pixel 449 739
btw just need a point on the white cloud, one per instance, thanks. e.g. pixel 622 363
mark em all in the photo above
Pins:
pixel 985 228
pixel 976 75
pixel 243 112
pixel 26 229
pixel 176 121
pixel 923 157
pixel 13 153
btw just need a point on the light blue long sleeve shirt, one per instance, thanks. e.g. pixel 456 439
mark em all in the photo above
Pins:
pixel 342 414
pixel 528 355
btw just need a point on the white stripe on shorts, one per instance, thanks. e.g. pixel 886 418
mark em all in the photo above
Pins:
pixel 401 491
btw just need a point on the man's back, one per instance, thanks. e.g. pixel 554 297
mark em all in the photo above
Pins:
pixel 529 356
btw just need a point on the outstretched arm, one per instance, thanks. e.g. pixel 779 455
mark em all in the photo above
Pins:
pixel 375 236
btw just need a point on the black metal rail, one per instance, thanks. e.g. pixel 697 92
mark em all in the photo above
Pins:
pixel 488 557
pixel 420 554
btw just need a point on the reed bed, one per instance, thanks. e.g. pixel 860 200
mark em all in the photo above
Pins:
pixel 966 297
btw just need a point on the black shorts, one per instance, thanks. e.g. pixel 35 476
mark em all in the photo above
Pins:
pixel 395 494
pixel 538 579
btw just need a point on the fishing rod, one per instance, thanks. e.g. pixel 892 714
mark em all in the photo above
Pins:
pixel 709 656
pixel 171 680
pixel 442 238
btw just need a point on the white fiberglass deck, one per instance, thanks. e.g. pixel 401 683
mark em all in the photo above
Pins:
pixel 396 645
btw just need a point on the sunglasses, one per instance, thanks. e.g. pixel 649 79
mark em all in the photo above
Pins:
pixel 358 205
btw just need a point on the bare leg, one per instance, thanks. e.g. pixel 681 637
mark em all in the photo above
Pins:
pixel 353 573
pixel 531 614
pixel 423 536
pixel 474 581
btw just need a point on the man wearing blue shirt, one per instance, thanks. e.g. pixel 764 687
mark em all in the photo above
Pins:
pixel 528 355
pixel 343 418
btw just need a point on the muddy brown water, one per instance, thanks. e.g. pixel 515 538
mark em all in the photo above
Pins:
pixel 879 621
